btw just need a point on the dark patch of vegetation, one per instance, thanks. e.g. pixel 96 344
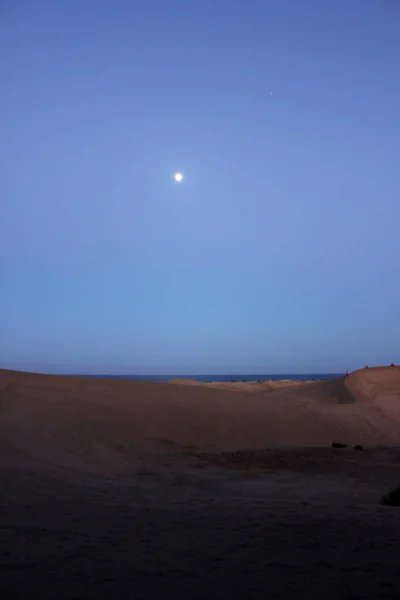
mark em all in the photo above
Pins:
pixel 339 445
pixel 392 498
pixel 358 447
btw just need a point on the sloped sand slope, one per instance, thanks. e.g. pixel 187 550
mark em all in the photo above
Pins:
pixel 100 497
pixel 83 422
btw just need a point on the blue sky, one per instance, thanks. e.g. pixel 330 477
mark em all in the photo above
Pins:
pixel 280 250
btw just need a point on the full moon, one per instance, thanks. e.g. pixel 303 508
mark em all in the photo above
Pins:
pixel 178 177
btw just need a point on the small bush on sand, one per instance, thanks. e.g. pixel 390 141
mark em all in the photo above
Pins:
pixel 338 445
pixel 392 498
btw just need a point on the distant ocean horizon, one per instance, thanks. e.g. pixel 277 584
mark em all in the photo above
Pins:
pixel 221 377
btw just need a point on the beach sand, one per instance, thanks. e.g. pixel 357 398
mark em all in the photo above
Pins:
pixel 126 489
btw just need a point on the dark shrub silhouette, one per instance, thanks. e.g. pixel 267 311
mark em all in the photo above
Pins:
pixel 392 498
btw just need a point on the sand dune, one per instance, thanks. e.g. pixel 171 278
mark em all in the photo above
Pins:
pixel 88 423
pixel 377 384
pixel 123 489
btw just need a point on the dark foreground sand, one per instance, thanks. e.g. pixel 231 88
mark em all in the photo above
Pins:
pixel 113 489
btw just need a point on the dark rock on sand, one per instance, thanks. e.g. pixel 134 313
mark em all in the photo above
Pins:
pixel 339 445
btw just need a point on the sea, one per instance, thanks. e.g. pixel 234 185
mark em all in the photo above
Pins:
pixel 225 377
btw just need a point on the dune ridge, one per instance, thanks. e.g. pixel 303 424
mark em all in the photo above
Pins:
pixel 243 386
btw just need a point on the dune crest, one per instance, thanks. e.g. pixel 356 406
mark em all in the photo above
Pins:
pixel 242 386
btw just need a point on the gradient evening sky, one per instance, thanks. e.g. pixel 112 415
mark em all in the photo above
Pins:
pixel 280 250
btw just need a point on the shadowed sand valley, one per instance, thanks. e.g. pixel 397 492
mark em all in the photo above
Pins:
pixel 120 489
